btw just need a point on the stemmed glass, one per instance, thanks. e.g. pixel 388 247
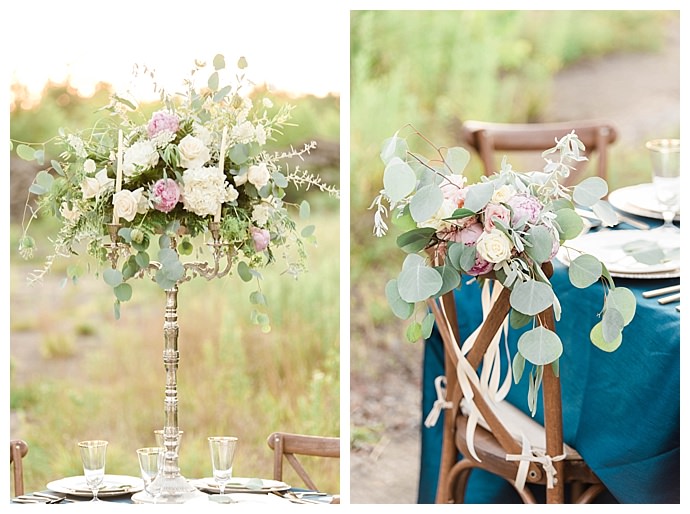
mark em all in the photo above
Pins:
pixel 222 456
pixel 93 460
pixel 665 155
pixel 151 464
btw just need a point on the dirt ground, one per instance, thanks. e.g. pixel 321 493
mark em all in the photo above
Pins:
pixel 641 94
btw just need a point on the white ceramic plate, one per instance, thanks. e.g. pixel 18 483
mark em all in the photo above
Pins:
pixel 639 200
pixel 607 246
pixel 239 485
pixel 113 485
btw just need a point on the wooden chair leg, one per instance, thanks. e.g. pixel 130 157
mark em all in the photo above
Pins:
pixel 590 493
pixel 457 481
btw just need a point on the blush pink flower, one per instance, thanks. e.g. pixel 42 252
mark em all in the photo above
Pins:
pixel 493 210
pixel 481 266
pixel 165 194
pixel 470 234
pixel 162 121
pixel 525 209
pixel 261 238
pixel 453 188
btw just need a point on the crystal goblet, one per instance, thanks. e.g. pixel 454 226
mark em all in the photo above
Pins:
pixel 150 465
pixel 93 461
pixel 222 457
pixel 665 156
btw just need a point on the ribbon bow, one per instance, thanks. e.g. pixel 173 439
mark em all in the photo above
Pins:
pixel 440 403
pixel 539 456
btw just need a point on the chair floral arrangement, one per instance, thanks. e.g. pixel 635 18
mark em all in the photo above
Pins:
pixel 502 231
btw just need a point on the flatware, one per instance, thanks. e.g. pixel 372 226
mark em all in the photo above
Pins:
pixel 669 299
pixel 662 291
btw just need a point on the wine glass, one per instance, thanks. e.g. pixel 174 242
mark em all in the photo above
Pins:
pixel 93 460
pixel 222 456
pixel 150 464
pixel 665 155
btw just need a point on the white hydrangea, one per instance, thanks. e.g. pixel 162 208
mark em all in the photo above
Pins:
pixel 139 157
pixel 243 132
pixel 261 213
pixel 205 189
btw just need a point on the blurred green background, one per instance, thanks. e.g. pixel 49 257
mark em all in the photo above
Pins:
pixel 77 373
pixel 434 69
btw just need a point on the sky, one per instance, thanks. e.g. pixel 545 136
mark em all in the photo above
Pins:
pixel 290 47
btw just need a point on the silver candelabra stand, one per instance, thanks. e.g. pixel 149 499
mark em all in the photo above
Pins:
pixel 174 488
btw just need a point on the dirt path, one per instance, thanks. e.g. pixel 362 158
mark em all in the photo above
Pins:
pixel 640 93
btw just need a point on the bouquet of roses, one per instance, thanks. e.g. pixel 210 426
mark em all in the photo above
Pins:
pixel 198 159
pixel 506 226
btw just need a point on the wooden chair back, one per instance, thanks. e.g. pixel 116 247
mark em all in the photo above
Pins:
pixel 18 450
pixel 488 138
pixel 287 447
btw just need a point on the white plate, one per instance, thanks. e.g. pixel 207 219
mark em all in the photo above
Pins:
pixel 607 246
pixel 76 486
pixel 239 485
pixel 639 200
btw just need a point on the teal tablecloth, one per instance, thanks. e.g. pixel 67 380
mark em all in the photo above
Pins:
pixel 621 410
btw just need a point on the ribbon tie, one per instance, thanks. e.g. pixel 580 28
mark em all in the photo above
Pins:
pixel 540 457
pixel 440 403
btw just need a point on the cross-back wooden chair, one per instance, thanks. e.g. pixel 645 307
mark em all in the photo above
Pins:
pixel 287 447
pixel 502 439
pixel 18 450
pixel 488 139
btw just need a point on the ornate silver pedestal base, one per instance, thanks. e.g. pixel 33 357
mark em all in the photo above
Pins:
pixel 176 489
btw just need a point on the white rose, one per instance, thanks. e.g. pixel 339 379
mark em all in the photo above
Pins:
pixel 141 156
pixel 258 175
pixel 240 180
pixel 261 213
pixel 193 152
pixel 503 194
pixel 494 246
pixel 243 133
pixel 90 188
pixel 69 214
pixel 127 203
pixel 89 166
pixel 231 194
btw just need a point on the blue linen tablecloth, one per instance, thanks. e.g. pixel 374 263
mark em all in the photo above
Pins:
pixel 621 410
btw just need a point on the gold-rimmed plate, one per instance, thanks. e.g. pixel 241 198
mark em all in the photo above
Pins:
pixel 241 485
pixel 113 485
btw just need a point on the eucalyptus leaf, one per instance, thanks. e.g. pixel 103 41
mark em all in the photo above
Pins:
pixel 478 195
pixel 244 272
pixel 540 346
pixel 304 209
pixel 457 159
pixel 541 241
pixel 142 259
pixel 399 180
pixel 57 167
pixel 426 202
pixel 418 282
pixel 569 224
pixel 584 271
pixel 597 337
pixel 518 319
pixel 112 277
pixel 415 240
pixel 451 279
pixel 428 325
pixel 219 62
pixel 612 324
pixel 257 298
pixel 605 213
pixel 393 147
pixel 623 300
pixel 590 191
pixel 414 332
pixel 213 81
pixel 123 292
pixel 400 307
pixel 468 258
pixel 239 153
pixel 518 367
pixel 308 230
pixel 403 220
pixel 531 297
pixel 242 63
pixel 25 152
pixel 454 254
pixel 645 251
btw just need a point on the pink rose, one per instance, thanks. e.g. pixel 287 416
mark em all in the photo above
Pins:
pixel 162 121
pixel 493 210
pixel 470 234
pixel 261 238
pixel 481 266
pixel 525 208
pixel 165 194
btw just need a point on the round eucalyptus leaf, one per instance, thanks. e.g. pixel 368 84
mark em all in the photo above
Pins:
pixel 531 297
pixel 400 307
pixel 590 191
pixel 426 202
pixel 123 292
pixel 413 260
pixel 393 147
pixel 416 283
pixel 569 223
pixel 611 325
pixel 244 272
pixel 451 278
pixel 478 195
pixel 185 247
pixel 540 346
pixel 413 332
pixel 304 209
pixel 112 277
pixel 623 300
pixel 399 179
pixel 457 159
pixel 428 325
pixel 597 337
pixel 605 213
pixel 541 240
pixel 584 271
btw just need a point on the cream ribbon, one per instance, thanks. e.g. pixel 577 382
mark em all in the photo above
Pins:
pixel 440 403
pixel 539 456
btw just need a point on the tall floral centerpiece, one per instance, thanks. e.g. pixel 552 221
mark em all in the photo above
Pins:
pixel 147 183
pixel 505 227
